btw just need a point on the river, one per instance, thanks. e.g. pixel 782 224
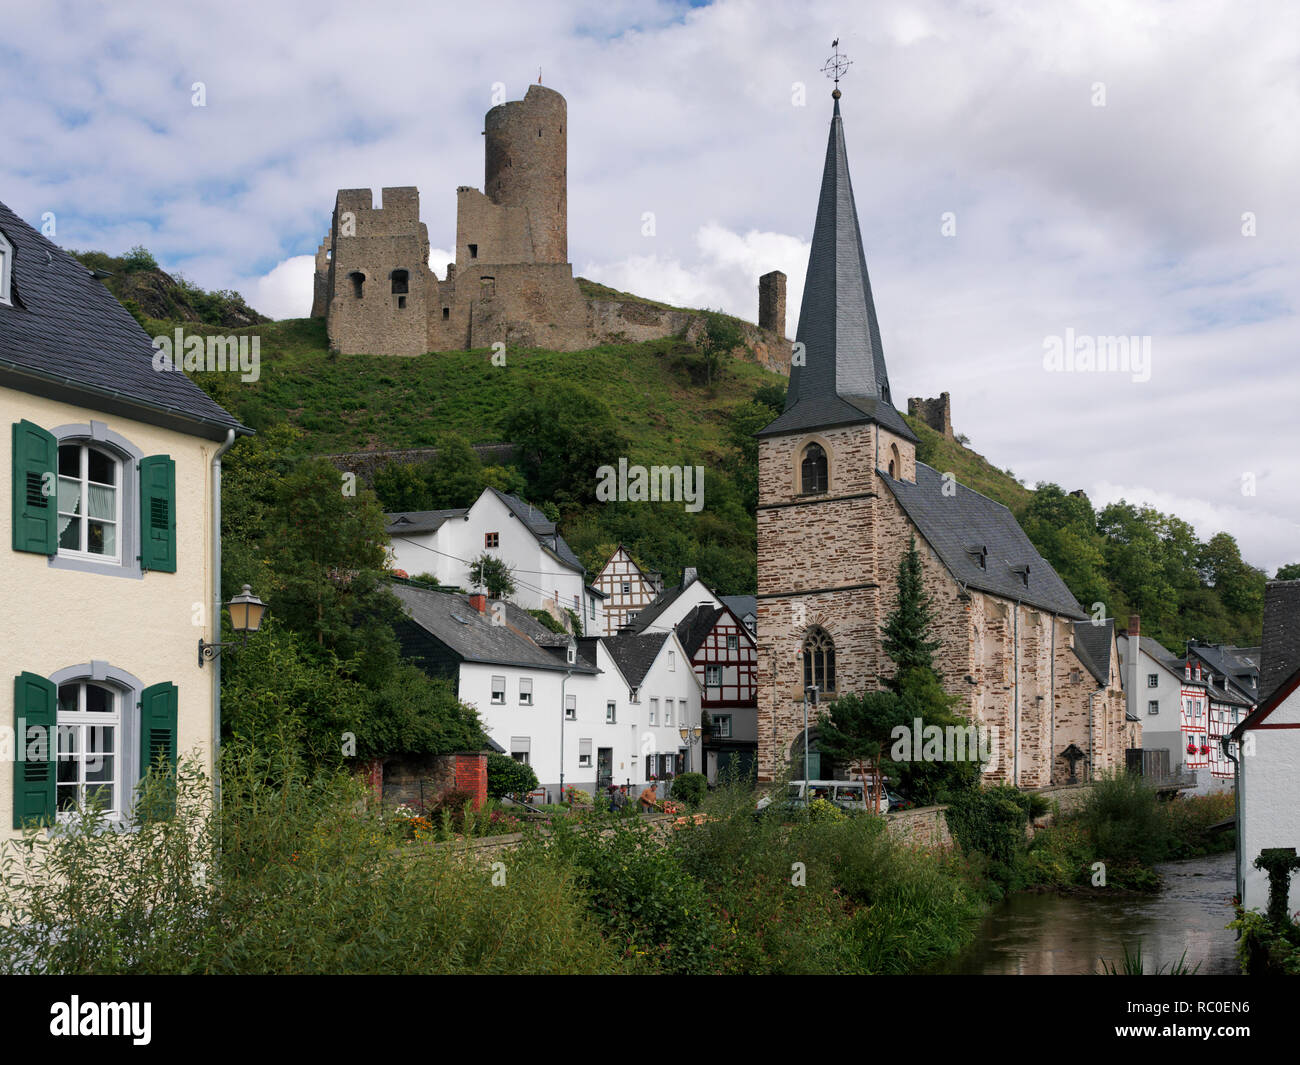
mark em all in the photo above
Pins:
pixel 1071 934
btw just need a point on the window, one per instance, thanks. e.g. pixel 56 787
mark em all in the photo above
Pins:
pixel 570 708
pixel 584 753
pixel 1153 680
pixel 90 502
pixel 722 726
pixel 89 748
pixel 712 676
pixel 498 690
pixel 492 539
pixel 611 711
pixel 733 643
pixel 487 287
pixel 525 691
pixel 654 711
pixel 521 749
pixel 446 313
pixel 634 695
pixel 473 251
pixel 401 282
pixel 668 711
pixel 672 661
pixel 819 660
pixel 571 654
pixel 812 470
pixel 627 587
pixel 358 280
pixel 1153 707
pixel 895 462
pixel 6 271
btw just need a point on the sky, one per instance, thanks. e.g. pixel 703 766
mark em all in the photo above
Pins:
pixel 1028 176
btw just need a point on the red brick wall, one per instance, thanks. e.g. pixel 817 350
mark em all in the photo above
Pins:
pixel 471 776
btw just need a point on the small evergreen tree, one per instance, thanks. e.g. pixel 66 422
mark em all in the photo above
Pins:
pixel 492 575
pixel 907 631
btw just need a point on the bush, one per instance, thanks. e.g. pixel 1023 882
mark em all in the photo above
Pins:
pixel 690 788
pixel 990 821
pixel 1122 816
pixel 505 776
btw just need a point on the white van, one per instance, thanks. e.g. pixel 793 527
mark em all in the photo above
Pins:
pixel 846 794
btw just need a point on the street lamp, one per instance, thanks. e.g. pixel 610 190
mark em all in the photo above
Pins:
pixel 690 737
pixel 246 613
pixel 809 695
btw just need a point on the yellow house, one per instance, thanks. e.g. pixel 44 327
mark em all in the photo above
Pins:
pixel 110 548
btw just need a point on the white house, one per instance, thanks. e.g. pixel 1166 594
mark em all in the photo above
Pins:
pixel 585 713
pixel 668 609
pixel 1268 767
pixel 111 557
pixel 547 574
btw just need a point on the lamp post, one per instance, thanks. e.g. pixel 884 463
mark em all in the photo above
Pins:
pixel 809 695
pixel 690 736
pixel 246 613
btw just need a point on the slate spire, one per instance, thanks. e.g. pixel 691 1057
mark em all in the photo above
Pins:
pixel 843 379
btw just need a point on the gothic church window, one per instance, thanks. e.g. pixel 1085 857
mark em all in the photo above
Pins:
pixel 819 660
pixel 813 470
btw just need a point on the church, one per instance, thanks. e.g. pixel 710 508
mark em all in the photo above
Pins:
pixel 841 494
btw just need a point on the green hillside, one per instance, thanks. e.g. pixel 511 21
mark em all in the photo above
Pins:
pixel 647 402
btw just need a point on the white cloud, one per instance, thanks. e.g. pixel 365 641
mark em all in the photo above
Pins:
pixel 286 291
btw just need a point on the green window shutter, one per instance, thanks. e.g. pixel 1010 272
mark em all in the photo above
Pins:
pixel 35 489
pixel 35 709
pixel 158 514
pixel 158 706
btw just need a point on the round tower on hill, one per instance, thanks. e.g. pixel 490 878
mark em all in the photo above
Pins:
pixel 526 165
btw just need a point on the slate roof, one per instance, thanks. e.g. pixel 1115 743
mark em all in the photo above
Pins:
pixel 421 521
pixel 1092 645
pixel 695 627
pixel 956 524
pixel 1238 664
pixel 473 637
pixel 843 380
pixel 635 654
pixel 647 614
pixel 67 337
pixel 1281 648
pixel 741 604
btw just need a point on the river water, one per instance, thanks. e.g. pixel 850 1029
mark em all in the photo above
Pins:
pixel 1058 934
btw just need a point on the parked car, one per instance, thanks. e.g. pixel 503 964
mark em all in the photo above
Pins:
pixel 897 802
pixel 849 795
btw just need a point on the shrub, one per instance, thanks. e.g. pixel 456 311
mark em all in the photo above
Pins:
pixel 990 821
pixel 1122 817
pixel 690 788
pixel 505 776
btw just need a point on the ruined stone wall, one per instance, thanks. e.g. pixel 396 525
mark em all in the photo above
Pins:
pixel 369 244
pixel 771 302
pixel 936 413
pixel 488 232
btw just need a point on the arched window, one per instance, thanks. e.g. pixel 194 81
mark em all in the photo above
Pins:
pixel 401 282
pixel 358 280
pixel 819 660
pixel 813 477
pixel 895 462
pixel 90 502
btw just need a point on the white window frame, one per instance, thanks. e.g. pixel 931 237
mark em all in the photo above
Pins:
pixel 584 756
pixel 121 470
pixel 81 719
pixel 570 708
pixel 6 271
pixel 127 562
pixel 722 726
pixel 654 711
pixel 1153 706
pixel 668 711
pixel 498 696
pixel 715 672
pixel 672 661
pixel 525 691
pixel 733 641
pixel 1153 680
pixel 611 713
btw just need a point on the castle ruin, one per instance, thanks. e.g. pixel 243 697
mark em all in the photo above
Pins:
pixel 511 281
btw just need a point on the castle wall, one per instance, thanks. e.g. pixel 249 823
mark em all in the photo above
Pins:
pixel 488 232
pixel 369 244
pixel 526 166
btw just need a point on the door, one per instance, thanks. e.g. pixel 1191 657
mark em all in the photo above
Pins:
pixel 604 766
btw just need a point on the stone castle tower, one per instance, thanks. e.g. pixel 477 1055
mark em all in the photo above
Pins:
pixel 511 281
pixel 841 495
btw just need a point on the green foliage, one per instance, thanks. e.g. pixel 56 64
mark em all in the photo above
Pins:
pixel 1121 816
pixel 561 437
pixel 992 822
pixel 1265 948
pixel 505 776
pixel 721 336
pixel 1132 965
pixel 492 574
pixel 906 637
pixel 922 696
pixel 1289 572
pixel 547 620
pixel 138 258
pixel 642 894
pixel 690 788
pixel 857 728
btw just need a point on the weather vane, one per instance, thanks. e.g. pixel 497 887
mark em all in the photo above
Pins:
pixel 837 66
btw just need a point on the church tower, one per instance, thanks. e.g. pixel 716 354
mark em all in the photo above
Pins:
pixel 822 595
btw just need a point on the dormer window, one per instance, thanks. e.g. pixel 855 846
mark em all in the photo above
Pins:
pixel 979 554
pixel 1022 572
pixel 6 270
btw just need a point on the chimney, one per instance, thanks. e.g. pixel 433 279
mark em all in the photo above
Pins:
pixel 479 603
pixel 689 576
pixel 1134 626
pixel 771 302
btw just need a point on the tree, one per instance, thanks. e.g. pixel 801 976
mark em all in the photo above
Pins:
pixel 403 487
pixel 493 575
pixel 561 438
pixel 455 474
pixel 906 636
pixel 1290 572
pixel 858 728
pixel 720 338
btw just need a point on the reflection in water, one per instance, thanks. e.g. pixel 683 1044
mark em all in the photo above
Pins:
pixel 1052 934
